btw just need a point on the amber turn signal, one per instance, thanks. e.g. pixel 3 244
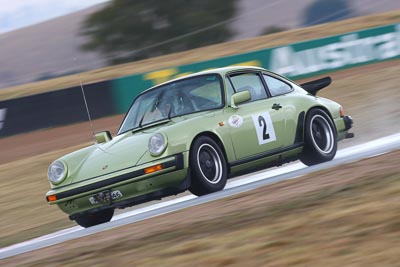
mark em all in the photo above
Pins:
pixel 51 198
pixel 153 169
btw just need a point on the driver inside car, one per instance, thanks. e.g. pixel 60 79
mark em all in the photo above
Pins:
pixel 160 110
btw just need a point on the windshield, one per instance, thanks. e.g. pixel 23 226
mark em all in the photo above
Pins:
pixel 177 98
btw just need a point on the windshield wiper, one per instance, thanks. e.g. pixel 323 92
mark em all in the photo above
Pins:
pixel 144 114
pixel 141 120
pixel 162 120
pixel 169 112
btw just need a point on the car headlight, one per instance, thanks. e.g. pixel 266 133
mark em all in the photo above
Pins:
pixel 157 144
pixel 57 172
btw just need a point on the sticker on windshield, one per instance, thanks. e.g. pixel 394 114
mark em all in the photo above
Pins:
pixel 264 128
pixel 235 121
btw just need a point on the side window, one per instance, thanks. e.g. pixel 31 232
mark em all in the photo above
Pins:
pixel 207 96
pixel 277 87
pixel 250 82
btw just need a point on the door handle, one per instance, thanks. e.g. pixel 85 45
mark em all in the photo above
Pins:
pixel 276 106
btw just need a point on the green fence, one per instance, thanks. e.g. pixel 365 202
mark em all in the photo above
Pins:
pixel 295 61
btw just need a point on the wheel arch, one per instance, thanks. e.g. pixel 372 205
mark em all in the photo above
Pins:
pixel 325 109
pixel 217 139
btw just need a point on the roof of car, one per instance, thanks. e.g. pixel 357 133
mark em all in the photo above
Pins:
pixel 222 71
pixel 225 70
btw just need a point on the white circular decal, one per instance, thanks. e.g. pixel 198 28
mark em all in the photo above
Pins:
pixel 235 121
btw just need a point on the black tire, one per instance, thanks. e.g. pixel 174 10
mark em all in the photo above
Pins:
pixel 93 219
pixel 208 167
pixel 320 138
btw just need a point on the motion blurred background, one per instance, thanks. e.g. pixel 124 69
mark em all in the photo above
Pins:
pixel 103 43
pixel 121 31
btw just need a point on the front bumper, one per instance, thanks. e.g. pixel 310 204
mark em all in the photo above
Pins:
pixel 135 182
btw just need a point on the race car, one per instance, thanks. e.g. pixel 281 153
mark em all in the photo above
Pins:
pixel 193 133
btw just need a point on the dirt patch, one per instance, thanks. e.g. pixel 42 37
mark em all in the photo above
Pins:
pixel 346 216
pixel 371 96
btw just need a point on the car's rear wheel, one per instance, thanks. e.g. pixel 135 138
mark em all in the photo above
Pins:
pixel 320 142
pixel 208 167
pixel 92 219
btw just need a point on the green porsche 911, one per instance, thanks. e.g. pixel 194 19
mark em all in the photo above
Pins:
pixel 193 133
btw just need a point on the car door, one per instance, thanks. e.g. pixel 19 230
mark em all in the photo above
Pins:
pixel 257 126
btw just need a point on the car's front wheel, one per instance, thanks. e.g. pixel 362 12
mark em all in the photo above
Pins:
pixel 208 167
pixel 92 219
pixel 320 142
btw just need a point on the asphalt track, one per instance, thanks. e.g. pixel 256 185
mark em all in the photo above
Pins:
pixel 236 186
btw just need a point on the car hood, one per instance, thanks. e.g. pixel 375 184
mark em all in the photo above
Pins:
pixel 123 152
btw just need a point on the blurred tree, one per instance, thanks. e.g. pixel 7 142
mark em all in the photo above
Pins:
pixel 130 30
pixel 322 11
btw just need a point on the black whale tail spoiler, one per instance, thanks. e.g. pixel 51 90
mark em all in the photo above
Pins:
pixel 314 86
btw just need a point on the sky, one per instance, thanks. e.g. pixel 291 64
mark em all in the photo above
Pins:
pixel 16 14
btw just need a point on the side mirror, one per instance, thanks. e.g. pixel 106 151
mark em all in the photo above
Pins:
pixel 103 137
pixel 239 98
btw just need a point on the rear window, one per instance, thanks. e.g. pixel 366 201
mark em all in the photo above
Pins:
pixel 276 86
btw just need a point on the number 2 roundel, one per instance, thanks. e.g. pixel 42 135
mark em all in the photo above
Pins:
pixel 264 128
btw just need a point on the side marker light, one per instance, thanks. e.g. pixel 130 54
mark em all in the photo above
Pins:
pixel 153 169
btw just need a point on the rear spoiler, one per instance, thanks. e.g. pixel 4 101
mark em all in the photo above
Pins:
pixel 314 86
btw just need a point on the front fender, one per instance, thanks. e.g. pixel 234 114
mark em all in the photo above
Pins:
pixel 183 130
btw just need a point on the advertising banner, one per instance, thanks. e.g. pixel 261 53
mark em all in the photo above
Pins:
pixel 297 60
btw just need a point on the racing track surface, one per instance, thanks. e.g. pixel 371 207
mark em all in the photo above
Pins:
pixel 234 186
